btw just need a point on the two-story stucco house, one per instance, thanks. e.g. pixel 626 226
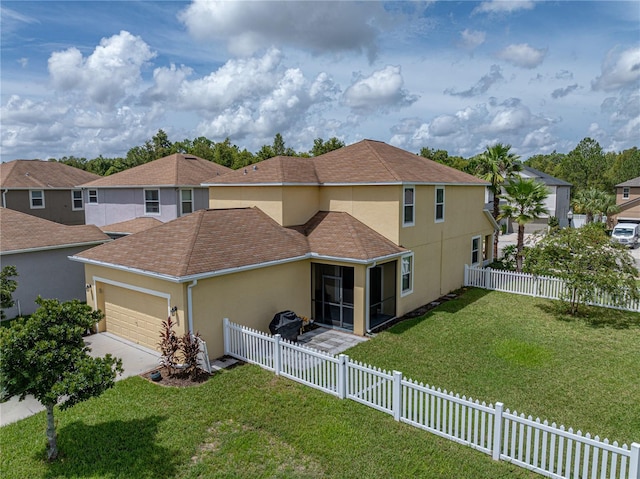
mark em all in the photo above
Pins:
pixel 352 239
pixel 46 189
pixel 39 249
pixel 164 189
pixel 628 200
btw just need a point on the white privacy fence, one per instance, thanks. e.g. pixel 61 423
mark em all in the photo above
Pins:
pixel 530 285
pixel 547 449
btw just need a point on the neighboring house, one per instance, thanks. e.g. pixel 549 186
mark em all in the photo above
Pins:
pixel 628 200
pixel 39 249
pixel 164 189
pixel 352 239
pixel 558 203
pixel 46 189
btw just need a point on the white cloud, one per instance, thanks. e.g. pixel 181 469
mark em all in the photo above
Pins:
pixel 248 27
pixel 522 55
pixel 620 69
pixel 562 92
pixel 107 75
pixel 503 6
pixel 494 76
pixel 381 90
pixel 472 39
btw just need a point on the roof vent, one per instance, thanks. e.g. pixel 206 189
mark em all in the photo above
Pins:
pixel 245 171
pixel 190 158
pixel 255 167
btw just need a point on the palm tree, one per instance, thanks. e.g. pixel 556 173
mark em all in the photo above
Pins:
pixel 525 203
pixel 497 166
pixel 594 203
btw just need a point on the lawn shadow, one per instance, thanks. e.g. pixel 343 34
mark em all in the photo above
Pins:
pixel 593 316
pixel 450 303
pixel 112 449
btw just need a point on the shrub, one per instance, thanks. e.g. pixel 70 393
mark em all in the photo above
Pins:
pixel 190 348
pixel 169 346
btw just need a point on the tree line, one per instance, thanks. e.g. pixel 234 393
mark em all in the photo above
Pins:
pixel 586 167
pixel 224 153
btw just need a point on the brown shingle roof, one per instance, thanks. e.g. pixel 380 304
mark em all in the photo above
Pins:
pixel 205 241
pixel 367 162
pixel 20 231
pixel 340 235
pixel 172 170
pixel 210 241
pixel 22 174
pixel 135 225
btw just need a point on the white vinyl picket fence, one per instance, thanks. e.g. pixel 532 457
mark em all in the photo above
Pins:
pixel 544 448
pixel 530 285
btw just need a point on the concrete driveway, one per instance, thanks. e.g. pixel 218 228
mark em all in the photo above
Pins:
pixel 136 359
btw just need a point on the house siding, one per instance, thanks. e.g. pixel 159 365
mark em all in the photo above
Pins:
pixel 35 272
pixel 58 206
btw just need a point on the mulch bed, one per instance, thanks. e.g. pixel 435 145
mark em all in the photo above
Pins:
pixel 179 379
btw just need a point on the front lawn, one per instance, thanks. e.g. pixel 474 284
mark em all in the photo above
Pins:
pixel 582 372
pixel 242 423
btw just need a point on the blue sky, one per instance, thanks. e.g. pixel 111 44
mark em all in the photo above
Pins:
pixel 97 78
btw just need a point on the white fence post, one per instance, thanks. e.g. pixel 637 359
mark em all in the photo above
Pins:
pixel 397 395
pixel 277 356
pixel 634 464
pixel 225 335
pixel 342 376
pixel 497 431
pixel 487 278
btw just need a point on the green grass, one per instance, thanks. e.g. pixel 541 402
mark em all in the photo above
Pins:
pixel 242 423
pixel 582 372
pixel 247 423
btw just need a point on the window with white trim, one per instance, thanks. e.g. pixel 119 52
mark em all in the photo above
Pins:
pixel 152 202
pixel 475 250
pixel 186 201
pixel 93 196
pixel 408 204
pixel 625 193
pixel 439 212
pixel 36 199
pixel 407 274
pixel 77 202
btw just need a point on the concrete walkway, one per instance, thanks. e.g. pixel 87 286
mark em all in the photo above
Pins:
pixel 330 341
pixel 136 359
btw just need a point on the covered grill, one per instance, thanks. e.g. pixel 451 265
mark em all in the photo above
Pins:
pixel 287 324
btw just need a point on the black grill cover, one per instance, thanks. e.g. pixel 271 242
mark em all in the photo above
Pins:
pixel 287 324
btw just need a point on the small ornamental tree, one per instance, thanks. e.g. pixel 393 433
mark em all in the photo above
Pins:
pixel 588 262
pixel 7 287
pixel 46 356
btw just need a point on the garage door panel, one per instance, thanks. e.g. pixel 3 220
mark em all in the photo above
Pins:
pixel 134 315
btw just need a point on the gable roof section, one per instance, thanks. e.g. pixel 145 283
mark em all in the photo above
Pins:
pixel 20 232
pixel 172 170
pixel 214 242
pixel 365 162
pixel 339 235
pixel 38 174
pixel 633 182
pixel 128 227
pixel 543 177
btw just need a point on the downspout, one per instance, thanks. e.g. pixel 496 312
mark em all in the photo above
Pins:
pixel 190 305
pixel 367 296
pixel 4 198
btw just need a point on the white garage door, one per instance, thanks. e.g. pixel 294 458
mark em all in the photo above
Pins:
pixel 134 315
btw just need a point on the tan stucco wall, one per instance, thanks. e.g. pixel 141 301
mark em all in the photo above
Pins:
pixel 376 206
pixel 267 198
pixel 441 249
pixel 250 298
pixel 300 204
